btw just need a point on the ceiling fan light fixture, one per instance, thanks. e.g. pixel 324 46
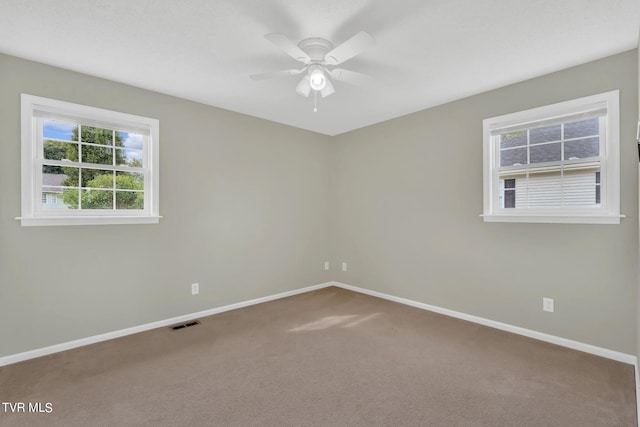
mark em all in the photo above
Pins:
pixel 315 54
pixel 327 90
pixel 317 79
pixel 304 87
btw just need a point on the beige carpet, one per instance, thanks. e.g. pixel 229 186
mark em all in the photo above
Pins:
pixel 325 358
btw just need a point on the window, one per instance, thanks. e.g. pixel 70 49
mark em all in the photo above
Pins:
pixel 558 163
pixel 85 165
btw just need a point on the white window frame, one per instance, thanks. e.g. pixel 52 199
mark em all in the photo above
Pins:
pixel 32 110
pixel 609 210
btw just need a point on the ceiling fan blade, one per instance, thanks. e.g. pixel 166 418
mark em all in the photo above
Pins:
pixel 304 87
pixel 289 47
pixel 350 77
pixel 350 48
pixel 274 74
pixel 327 89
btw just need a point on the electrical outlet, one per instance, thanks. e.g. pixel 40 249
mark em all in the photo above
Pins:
pixel 195 288
pixel 547 304
pixel 344 266
pixel 326 265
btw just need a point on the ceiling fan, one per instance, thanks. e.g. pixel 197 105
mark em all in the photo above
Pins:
pixel 318 57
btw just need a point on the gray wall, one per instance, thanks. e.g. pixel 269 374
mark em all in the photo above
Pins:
pixel 407 218
pixel 245 205
pixel 252 208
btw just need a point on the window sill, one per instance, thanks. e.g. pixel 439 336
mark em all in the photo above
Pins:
pixel 554 219
pixel 87 220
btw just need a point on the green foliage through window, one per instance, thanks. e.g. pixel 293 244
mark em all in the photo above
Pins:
pixel 96 146
pixel 96 198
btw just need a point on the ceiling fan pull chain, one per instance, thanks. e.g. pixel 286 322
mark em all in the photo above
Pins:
pixel 315 101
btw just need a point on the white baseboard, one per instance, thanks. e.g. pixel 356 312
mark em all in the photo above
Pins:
pixel 587 348
pixel 15 358
pixel 610 354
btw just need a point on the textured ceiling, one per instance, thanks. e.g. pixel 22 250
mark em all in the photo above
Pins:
pixel 427 52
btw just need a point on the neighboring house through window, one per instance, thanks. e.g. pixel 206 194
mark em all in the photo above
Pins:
pixel 52 191
pixel 85 165
pixel 558 163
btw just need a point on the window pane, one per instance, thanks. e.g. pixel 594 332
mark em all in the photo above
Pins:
pixel 551 189
pixel 98 155
pixel 546 134
pixel 545 153
pixel 100 179
pixel 129 157
pixel 508 187
pixel 580 189
pixel 54 201
pixel 70 197
pixel 53 190
pixel 56 150
pixel 52 169
pixel 582 148
pixel 544 190
pixel 130 140
pixel 97 178
pixel 57 129
pixel 97 199
pixel 71 175
pixel 513 156
pixel 129 181
pixel 510 199
pixel 589 127
pixel 97 135
pixel 52 179
pixel 129 200
pixel 513 139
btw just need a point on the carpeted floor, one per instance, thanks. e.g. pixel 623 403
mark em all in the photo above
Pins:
pixel 326 358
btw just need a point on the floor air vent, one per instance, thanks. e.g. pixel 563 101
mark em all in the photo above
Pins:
pixel 185 325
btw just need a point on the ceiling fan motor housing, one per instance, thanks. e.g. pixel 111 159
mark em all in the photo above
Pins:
pixel 316 48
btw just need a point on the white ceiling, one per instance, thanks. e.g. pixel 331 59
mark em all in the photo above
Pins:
pixel 427 52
